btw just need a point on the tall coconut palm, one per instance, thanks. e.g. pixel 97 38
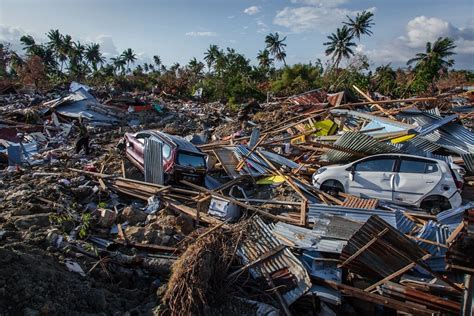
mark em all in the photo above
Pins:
pixel 211 55
pixel 195 66
pixel 361 24
pixel 93 55
pixel 264 59
pixel 276 46
pixel 56 43
pixel 435 55
pixel 129 56
pixel 157 60
pixel 119 63
pixel 340 45
pixel 30 46
pixel 145 67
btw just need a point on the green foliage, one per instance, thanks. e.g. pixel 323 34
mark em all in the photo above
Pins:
pixel 297 79
pixel 84 225
pixel 229 75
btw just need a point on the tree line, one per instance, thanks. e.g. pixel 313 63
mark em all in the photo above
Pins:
pixel 228 74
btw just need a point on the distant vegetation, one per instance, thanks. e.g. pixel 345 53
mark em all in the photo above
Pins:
pixel 225 74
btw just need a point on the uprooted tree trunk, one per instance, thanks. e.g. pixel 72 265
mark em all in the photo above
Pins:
pixel 198 279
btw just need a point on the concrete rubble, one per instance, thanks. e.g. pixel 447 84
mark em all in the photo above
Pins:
pixel 87 233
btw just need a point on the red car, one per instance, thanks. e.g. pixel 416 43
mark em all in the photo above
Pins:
pixel 181 159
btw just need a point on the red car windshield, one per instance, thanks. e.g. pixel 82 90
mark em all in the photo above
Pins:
pixel 190 160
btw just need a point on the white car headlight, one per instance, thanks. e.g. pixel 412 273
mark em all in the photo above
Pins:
pixel 321 170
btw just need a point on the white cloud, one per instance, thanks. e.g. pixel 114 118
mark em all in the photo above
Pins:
pixel 262 27
pixel 310 18
pixel 252 10
pixel 208 34
pixel 12 35
pixel 107 45
pixel 419 31
pixel 321 3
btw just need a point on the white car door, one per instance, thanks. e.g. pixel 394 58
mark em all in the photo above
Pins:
pixel 414 179
pixel 373 177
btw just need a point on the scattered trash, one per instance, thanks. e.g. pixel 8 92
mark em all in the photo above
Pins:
pixel 238 212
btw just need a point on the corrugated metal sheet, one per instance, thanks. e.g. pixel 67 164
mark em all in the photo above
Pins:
pixel 304 238
pixel 435 232
pixel 404 224
pixel 335 227
pixel 468 161
pixel 357 142
pixel 435 124
pixel 451 136
pixel 387 124
pixel 355 202
pixel 390 252
pixel 310 97
pixel 153 160
pixel 260 241
pixel 228 161
pixel 280 160
pixel 254 165
pixel 453 216
pixel 355 214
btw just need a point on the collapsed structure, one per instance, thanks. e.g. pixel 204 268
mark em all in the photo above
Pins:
pixel 255 236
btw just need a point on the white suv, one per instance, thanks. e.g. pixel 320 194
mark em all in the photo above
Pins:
pixel 428 183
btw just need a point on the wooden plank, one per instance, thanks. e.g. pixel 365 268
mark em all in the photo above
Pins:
pixel 242 162
pixel 381 300
pixel 376 104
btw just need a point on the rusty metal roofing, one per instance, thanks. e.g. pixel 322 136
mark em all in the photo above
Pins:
pixel 261 241
pixel 356 142
pixel 390 252
pixel 310 97
pixel 355 202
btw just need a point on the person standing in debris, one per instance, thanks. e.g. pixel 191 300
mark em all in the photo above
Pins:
pixel 83 138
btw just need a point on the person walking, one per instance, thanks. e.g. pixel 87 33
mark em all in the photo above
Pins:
pixel 83 138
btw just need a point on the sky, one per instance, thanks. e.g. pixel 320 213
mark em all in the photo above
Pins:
pixel 178 30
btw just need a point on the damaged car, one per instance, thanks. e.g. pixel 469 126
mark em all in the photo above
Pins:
pixel 181 159
pixel 430 184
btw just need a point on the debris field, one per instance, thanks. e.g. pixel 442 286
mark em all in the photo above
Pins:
pixel 316 204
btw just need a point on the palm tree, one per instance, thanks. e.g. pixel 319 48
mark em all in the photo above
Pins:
pixel 276 46
pixel 211 55
pixel 56 44
pixel 435 56
pixel 340 45
pixel 93 55
pixel 157 60
pixel 361 24
pixel 145 67
pixel 195 66
pixel 129 57
pixel 29 45
pixel 119 63
pixel 264 59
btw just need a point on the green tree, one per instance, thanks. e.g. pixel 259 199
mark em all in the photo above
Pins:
pixel 340 45
pixel 119 63
pixel 93 55
pixel 212 54
pixel 361 24
pixel 435 56
pixel 276 46
pixel 264 59
pixel 129 57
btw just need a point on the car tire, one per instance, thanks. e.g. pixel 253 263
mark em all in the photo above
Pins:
pixel 435 204
pixel 332 187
